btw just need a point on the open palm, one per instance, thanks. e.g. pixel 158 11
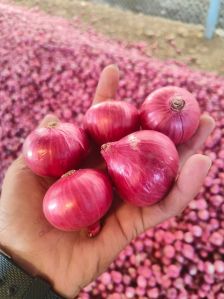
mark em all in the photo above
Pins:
pixel 70 260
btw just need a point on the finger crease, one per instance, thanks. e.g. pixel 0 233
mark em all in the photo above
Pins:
pixel 125 236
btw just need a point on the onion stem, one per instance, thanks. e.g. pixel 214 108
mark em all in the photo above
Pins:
pixel 70 172
pixel 94 229
pixel 52 124
pixel 177 103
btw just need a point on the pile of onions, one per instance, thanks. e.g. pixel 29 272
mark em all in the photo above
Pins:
pixel 142 165
pixel 173 111
pixel 56 149
pixel 54 67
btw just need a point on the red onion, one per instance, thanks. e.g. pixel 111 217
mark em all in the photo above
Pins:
pixel 78 200
pixel 142 165
pixel 111 120
pixel 219 266
pixel 169 251
pixel 153 293
pixel 173 111
pixel 54 150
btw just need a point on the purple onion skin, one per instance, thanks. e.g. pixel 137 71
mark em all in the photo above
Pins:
pixel 142 165
pixel 56 149
pixel 172 111
pixel 111 120
pixel 78 200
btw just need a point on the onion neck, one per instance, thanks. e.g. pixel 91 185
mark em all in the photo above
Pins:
pixel 52 124
pixel 177 104
pixel 105 146
pixel 70 172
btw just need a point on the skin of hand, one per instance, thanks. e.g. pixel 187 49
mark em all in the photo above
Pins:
pixel 71 260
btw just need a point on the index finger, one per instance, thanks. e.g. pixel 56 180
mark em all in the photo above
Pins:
pixel 107 85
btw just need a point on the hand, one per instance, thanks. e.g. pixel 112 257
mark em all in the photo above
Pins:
pixel 70 260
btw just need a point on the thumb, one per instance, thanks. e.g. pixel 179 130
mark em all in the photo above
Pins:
pixel 108 84
pixel 120 228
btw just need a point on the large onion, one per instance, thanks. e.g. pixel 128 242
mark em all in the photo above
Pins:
pixel 78 200
pixel 54 150
pixel 142 165
pixel 173 111
pixel 111 120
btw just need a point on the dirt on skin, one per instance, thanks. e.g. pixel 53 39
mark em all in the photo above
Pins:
pixel 165 39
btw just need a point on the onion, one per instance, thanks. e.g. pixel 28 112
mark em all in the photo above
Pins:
pixel 142 165
pixel 111 120
pixel 54 150
pixel 78 200
pixel 172 111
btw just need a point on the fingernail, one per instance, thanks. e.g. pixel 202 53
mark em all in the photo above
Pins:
pixel 114 66
pixel 208 160
pixel 49 115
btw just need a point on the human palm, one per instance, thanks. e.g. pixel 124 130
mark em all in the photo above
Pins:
pixel 70 260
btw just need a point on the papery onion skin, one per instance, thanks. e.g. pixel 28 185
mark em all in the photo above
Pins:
pixel 53 150
pixel 172 111
pixel 142 165
pixel 78 200
pixel 111 120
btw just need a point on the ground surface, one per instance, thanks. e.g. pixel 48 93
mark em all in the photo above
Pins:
pixel 165 39
pixel 187 11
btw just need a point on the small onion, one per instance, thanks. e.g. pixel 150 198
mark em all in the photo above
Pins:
pixel 142 165
pixel 172 111
pixel 55 149
pixel 111 120
pixel 78 200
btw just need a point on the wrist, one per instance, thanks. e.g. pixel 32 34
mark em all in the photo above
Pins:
pixel 25 263
pixel 19 259
pixel 15 281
